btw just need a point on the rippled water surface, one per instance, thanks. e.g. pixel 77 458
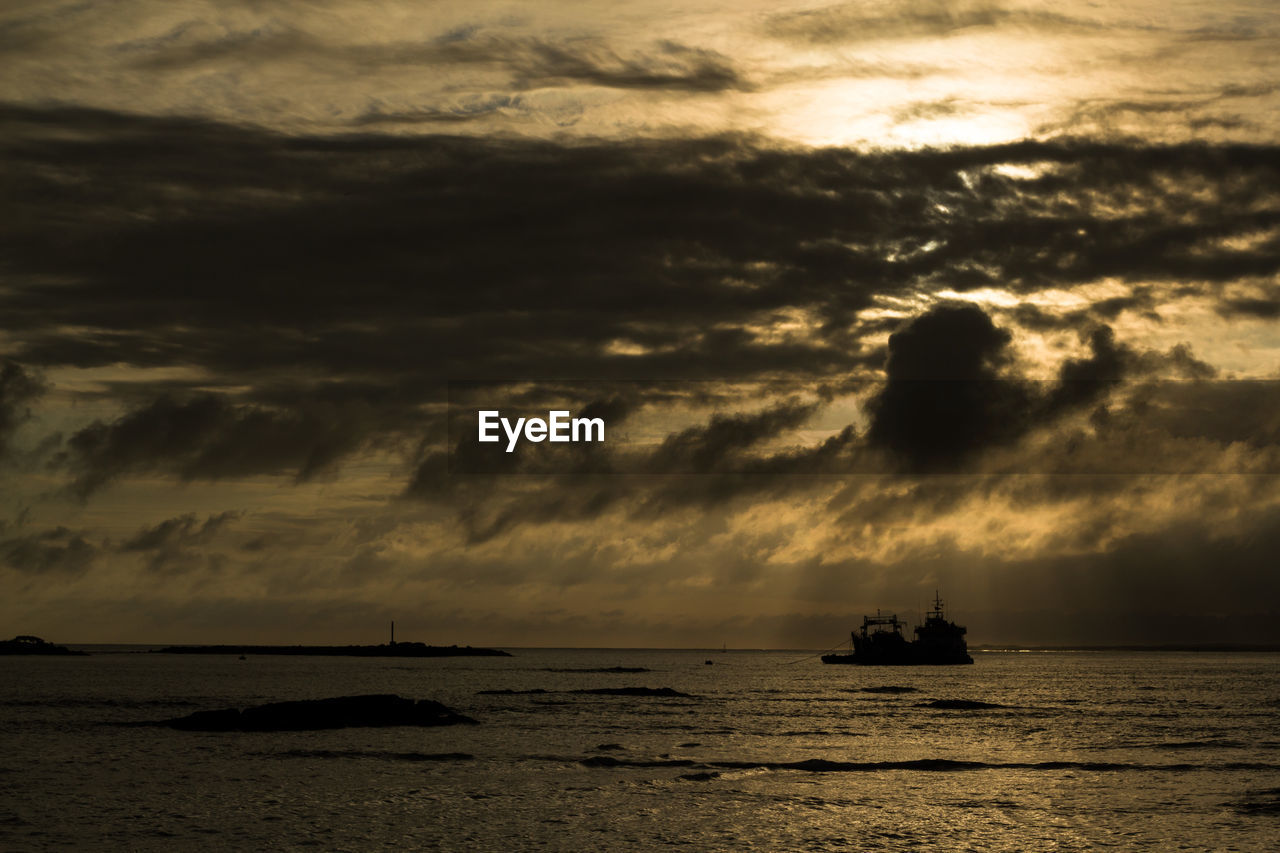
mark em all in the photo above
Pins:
pixel 1077 751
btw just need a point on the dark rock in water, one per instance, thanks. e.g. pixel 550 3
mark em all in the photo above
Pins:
pixel 225 720
pixel 636 691
pixel 957 705
pixel 620 669
pixel 700 777
pixel 24 644
pixel 1259 802
pixel 610 761
pixel 889 688
pixel 337 713
pixel 609 746
pixel 373 754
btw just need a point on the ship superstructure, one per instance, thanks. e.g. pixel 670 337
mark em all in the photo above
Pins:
pixel 880 642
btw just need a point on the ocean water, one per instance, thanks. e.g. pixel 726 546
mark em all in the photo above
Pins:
pixel 1083 751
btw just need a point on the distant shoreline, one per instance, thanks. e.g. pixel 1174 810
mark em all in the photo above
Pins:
pixel 386 650
pixel 1172 647
pixel 986 648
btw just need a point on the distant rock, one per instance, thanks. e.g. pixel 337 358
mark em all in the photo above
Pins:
pixel 25 644
pixel 507 691
pixel 309 714
pixel 636 691
pixel 889 688
pixel 958 705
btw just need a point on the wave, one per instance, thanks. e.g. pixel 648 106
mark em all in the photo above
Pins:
pixel 1221 743
pixel 1258 802
pixel 621 669
pixel 926 765
pixel 380 755
pixel 594 691
pixel 610 761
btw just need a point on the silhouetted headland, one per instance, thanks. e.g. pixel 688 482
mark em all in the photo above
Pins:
pixel 339 712
pixel 386 650
pixel 25 644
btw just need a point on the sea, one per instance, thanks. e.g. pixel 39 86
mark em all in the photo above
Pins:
pixel 767 750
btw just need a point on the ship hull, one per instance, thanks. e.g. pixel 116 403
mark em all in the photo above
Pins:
pixel 858 660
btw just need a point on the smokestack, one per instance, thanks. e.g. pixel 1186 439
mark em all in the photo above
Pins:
pixel 393 632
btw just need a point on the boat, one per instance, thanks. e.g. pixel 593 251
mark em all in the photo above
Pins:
pixel 880 642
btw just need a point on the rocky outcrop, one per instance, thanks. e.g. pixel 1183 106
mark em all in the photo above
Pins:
pixel 309 714
pixel 635 691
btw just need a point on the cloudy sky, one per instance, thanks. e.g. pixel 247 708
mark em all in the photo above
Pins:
pixel 874 297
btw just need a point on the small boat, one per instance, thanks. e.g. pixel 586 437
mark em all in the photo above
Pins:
pixel 880 642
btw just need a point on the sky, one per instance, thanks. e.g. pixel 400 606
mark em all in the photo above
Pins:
pixel 874 298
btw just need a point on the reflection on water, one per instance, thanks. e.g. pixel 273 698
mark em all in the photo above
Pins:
pixel 1017 752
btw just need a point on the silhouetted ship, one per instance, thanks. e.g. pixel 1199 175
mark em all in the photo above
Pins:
pixel 880 642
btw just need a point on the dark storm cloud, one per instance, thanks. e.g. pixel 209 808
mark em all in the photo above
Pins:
pixel 181 543
pixel 18 389
pixel 392 260
pixel 530 62
pixel 1144 587
pixel 332 285
pixel 702 449
pixel 727 451
pixel 209 438
pixel 56 551
pixel 1083 380
pixel 854 22
pixel 952 394
pixel 467 111
pixel 1266 309
pixel 945 397
pixel 946 402
pixel 1234 412
pixel 668 66
pixel 181 531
